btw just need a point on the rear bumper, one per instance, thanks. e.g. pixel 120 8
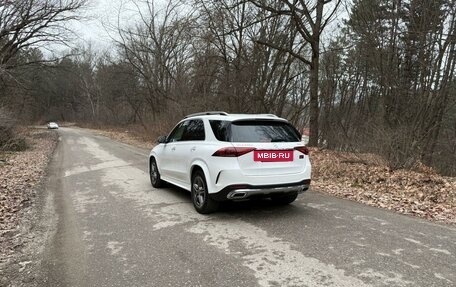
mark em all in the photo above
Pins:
pixel 244 191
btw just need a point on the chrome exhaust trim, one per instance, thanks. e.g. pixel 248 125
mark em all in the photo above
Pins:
pixel 246 192
pixel 236 195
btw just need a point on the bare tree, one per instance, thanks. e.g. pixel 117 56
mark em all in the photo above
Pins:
pixel 391 91
pixel 157 48
pixel 309 21
pixel 31 23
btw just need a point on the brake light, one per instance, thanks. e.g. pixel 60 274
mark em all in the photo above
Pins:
pixel 302 149
pixel 233 151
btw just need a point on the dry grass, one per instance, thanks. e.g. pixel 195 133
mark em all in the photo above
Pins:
pixel 126 135
pixel 135 135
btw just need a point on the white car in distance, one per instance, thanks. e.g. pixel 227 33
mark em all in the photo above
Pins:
pixel 52 125
pixel 219 156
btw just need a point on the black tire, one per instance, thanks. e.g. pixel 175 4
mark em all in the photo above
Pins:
pixel 200 196
pixel 154 174
pixel 285 198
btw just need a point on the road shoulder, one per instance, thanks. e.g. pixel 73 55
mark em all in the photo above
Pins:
pixel 27 217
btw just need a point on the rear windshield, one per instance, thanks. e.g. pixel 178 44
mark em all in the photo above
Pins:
pixel 254 131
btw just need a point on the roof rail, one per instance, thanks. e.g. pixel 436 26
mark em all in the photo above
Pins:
pixel 207 113
pixel 270 115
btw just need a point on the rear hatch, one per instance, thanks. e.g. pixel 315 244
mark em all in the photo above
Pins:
pixel 268 147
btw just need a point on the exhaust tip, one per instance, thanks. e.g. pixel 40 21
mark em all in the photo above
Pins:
pixel 237 195
pixel 303 189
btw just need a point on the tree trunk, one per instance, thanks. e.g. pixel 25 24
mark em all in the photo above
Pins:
pixel 314 74
pixel 314 107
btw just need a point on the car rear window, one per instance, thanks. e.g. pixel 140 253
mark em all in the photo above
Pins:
pixel 254 131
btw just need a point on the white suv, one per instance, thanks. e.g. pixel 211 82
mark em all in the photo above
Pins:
pixel 219 156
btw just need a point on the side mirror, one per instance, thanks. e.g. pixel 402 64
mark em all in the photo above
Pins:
pixel 161 139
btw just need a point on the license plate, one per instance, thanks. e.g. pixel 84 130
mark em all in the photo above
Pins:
pixel 273 155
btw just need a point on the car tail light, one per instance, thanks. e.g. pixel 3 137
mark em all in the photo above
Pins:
pixel 302 149
pixel 233 151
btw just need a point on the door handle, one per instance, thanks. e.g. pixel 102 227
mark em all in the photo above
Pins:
pixel 173 149
pixel 193 149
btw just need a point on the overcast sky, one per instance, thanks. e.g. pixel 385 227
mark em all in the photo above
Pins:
pixel 101 14
pixel 90 29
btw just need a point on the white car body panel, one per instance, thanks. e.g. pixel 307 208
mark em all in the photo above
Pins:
pixel 175 160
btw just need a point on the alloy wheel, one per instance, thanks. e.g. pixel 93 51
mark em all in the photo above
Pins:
pixel 153 172
pixel 199 190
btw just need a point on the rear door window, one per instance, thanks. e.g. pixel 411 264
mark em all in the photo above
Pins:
pixel 194 131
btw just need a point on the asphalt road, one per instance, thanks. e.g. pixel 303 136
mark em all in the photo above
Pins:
pixel 113 229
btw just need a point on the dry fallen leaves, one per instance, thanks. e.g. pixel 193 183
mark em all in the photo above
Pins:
pixel 20 173
pixel 125 136
pixel 365 178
